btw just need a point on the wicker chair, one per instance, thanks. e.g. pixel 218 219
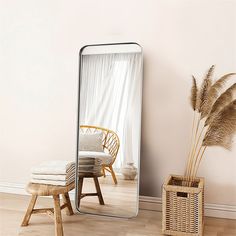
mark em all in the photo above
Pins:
pixel 111 144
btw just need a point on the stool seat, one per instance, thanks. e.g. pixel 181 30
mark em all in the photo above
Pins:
pixel 55 212
pixel 48 190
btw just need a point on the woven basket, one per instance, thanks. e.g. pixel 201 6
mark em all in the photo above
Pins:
pixel 183 206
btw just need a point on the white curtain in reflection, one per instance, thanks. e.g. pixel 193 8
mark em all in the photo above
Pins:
pixel 110 97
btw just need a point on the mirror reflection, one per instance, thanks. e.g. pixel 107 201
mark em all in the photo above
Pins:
pixel 109 129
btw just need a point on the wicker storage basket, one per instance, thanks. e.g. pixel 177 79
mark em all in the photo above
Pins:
pixel 183 206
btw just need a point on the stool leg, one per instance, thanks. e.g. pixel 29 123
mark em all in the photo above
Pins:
pixel 80 186
pixel 103 172
pixel 100 198
pixel 28 213
pixel 57 216
pixel 66 199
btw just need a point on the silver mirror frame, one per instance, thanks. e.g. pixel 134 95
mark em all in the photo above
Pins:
pixel 78 127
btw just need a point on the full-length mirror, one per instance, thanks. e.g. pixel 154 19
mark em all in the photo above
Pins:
pixel 109 129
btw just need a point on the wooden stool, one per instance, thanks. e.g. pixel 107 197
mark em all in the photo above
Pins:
pixel 97 186
pixel 55 213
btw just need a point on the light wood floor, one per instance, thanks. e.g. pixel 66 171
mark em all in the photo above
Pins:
pixel 147 223
pixel 120 199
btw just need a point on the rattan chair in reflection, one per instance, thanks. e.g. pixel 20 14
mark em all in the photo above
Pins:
pixel 110 143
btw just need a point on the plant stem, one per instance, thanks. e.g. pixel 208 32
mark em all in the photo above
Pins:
pixel 195 149
pixel 196 168
pixel 191 168
pixel 191 143
pixel 192 149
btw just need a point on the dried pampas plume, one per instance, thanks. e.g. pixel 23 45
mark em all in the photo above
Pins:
pixel 219 127
pixel 215 90
pixel 224 99
pixel 203 93
pixel 194 91
pixel 222 128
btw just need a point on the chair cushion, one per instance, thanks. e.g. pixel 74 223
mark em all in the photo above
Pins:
pixel 91 141
pixel 104 157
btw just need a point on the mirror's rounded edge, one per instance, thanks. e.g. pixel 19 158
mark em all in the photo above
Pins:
pixel 81 51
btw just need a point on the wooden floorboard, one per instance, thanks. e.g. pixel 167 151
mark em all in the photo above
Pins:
pixel 147 223
pixel 120 199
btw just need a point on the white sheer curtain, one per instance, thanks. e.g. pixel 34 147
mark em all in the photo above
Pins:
pixel 110 97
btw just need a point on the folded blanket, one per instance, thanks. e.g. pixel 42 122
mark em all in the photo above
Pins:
pixel 52 182
pixel 54 167
pixel 105 158
pixel 90 171
pixel 89 161
pixel 66 177
pixel 89 167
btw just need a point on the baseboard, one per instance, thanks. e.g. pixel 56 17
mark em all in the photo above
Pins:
pixel 212 210
pixel 14 188
pixel 145 202
pixel 150 203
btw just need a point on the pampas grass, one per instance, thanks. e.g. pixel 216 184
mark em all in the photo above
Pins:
pixel 202 98
pixel 199 99
pixel 215 91
pixel 223 100
pixel 193 101
pixel 222 128
pixel 216 115
pixel 194 92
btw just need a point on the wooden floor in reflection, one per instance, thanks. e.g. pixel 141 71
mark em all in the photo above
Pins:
pixel 120 200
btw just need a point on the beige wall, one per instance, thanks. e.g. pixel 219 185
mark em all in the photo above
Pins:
pixel 39 47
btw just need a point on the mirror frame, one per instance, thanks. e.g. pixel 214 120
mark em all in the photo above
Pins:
pixel 78 130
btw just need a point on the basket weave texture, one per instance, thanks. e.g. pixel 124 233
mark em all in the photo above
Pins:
pixel 183 206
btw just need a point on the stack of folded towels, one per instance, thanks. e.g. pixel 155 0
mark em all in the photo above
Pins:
pixel 90 165
pixel 58 172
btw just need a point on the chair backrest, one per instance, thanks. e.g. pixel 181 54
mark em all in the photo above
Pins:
pixel 110 142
